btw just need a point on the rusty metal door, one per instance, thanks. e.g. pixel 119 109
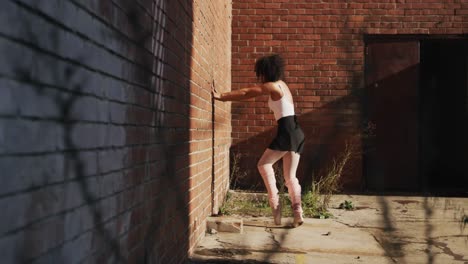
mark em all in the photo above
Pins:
pixel 391 75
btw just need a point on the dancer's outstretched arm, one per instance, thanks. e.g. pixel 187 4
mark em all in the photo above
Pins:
pixel 238 95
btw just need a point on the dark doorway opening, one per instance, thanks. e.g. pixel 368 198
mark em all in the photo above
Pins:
pixel 417 97
pixel 443 115
pixel 392 70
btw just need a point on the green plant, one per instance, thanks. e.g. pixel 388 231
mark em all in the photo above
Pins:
pixel 347 205
pixel 329 183
pixel 236 173
pixel 228 196
pixel 245 204
pixel 310 204
pixel 323 215
pixel 317 199
pixel 223 210
pixel 261 204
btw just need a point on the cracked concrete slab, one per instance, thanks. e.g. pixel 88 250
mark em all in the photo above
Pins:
pixel 381 229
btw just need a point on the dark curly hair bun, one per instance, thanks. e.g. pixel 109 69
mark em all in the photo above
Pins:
pixel 270 68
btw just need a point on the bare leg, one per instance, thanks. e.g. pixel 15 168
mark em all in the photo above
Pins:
pixel 265 167
pixel 290 163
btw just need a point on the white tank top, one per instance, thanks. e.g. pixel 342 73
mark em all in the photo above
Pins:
pixel 282 107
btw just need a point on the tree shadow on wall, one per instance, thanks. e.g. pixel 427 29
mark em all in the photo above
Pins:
pixel 134 189
pixel 166 234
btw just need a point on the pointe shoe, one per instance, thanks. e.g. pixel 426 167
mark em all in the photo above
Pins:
pixel 277 214
pixel 298 219
pixel 297 211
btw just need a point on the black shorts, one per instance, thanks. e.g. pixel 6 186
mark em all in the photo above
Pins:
pixel 290 136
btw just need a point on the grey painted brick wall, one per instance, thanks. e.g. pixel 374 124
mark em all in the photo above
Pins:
pixel 94 114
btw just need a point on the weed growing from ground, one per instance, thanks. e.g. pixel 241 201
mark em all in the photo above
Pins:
pixel 224 209
pixel 246 204
pixel 236 173
pixel 347 205
pixel 317 199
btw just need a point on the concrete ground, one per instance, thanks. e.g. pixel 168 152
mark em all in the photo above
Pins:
pixel 382 229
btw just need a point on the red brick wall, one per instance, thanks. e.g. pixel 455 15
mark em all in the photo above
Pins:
pixel 323 44
pixel 106 128
pixel 211 61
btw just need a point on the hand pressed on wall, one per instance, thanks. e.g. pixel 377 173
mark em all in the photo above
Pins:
pixel 216 95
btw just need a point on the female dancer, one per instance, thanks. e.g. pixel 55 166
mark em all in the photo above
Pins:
pixel 289 141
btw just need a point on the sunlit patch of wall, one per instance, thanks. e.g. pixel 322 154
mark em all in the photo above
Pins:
pixel 210 124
